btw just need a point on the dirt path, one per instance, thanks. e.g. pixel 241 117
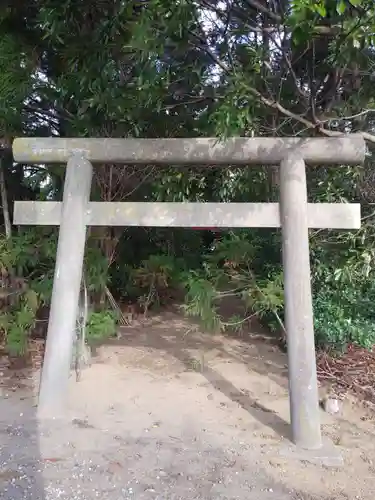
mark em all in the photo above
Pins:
pixel 169 413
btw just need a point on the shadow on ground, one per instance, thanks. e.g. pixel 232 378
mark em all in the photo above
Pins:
pixel 171 334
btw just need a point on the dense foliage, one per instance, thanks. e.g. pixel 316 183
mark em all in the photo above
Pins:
pixel 158 68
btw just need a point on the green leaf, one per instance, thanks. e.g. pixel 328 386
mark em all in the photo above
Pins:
pixel 32 299
pixel 320 8
pixel 355 3
pixel 341 6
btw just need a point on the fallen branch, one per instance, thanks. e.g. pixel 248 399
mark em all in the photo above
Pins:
pixel 353 371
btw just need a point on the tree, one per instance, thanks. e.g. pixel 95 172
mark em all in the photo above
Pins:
pixel 201 68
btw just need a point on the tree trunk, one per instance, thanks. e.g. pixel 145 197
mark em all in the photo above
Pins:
pixel 4 202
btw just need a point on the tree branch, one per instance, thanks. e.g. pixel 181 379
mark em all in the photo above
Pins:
pixel 276 104
pixel 321 30
pixel 309 124
pixel 262 8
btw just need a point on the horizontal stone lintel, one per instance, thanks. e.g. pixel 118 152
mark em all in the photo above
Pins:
pixel 346 149
pixel 188 215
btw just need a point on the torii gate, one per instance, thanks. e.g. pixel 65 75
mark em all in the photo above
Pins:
pixel 294 214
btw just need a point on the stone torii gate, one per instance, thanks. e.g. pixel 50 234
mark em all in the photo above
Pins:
pixel 294 214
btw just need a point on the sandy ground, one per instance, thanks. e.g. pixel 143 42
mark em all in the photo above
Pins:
pixel 167 412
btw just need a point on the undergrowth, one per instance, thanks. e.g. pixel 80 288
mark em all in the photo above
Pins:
pixel 237 266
